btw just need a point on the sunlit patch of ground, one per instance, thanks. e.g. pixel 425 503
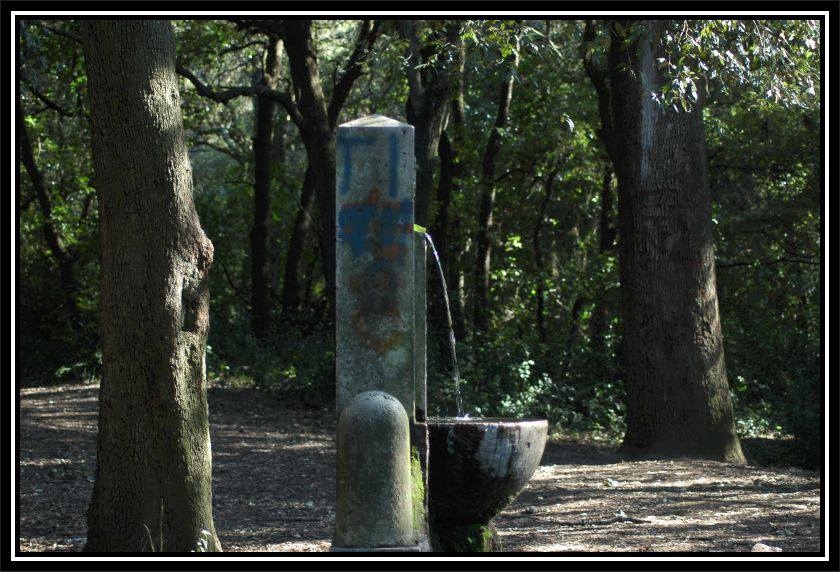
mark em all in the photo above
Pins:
pixel 685 505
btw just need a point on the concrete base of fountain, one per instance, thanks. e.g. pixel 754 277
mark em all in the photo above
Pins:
pixel 476 468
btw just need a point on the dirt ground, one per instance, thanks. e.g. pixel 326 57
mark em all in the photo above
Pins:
pixel 274 487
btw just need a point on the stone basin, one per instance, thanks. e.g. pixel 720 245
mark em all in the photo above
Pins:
pixel 476 468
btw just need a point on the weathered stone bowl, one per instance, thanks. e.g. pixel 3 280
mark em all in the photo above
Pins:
pixel 476 468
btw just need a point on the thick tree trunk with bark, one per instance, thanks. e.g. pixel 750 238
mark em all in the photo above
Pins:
pixel 153 473
pixel 677 392
pixel 484 239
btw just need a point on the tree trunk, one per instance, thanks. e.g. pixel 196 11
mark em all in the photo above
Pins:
pixel 453 240
pixel 317 132
pixel 446 187
pixel 600 320
pixel 677 392
pixel 318 137
pixel 303 218
pixel 456 278
pixel 260 260
pixel 153 472
pixel 451 171
pixel 426 108
pixel 278 144
pixel 484 240
pixel 539 258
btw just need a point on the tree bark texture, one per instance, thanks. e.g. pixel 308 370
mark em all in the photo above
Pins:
pixel 484 239
pixel 260 259
pixel 153 473
pixel 677 392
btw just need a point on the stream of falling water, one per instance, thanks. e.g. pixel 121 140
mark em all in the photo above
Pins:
pixel 456 374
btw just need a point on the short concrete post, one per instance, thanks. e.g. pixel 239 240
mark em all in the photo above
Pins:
pixel 373 477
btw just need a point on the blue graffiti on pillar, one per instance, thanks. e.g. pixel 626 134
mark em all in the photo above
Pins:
pixel 383 225
pixel 390 221
pixel 347 143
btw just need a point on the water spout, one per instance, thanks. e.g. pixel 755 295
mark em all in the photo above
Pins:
pixel 456 375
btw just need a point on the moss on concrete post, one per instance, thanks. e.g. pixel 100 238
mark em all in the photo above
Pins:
pixel 419 327
pixel 419 430
pixel 374 482
pixel 420 484
pixel 418 492
pixel 467 538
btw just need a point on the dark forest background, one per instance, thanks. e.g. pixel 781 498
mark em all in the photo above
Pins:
pixel 517 161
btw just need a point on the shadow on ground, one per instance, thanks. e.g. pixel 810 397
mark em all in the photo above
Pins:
pixel 274 487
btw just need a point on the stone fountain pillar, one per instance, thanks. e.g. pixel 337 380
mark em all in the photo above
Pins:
pixel 380 392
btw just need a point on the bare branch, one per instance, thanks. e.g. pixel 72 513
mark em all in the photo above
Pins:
pixel 225 95
pixel 273 28
pixel 368 32
pixel 284 99
pixel 49 102
pixel 221 149
pixel 28 201
pixel 222 97
pixel 408 29
pixel 233 286
pixel 769 262
pixel 63 33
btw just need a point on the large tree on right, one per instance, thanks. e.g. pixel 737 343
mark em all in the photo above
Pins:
pixel 677 391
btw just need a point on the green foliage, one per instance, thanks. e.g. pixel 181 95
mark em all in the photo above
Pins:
pixel 768 196
pixel 295 362
pixel 53 99
pixel 778 59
